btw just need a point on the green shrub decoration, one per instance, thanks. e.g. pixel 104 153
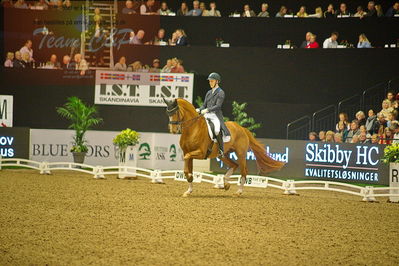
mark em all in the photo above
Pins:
pixel 391 154
pixel 126 138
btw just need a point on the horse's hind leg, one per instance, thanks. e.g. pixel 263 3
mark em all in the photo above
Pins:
pixel 232 167
pixel 243 170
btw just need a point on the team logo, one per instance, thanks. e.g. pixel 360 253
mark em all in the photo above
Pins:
pixel 144 151
pixel 172 152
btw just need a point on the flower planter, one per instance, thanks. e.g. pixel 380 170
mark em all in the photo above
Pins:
pixel 128 157
pixel 79 157
pixel 394 181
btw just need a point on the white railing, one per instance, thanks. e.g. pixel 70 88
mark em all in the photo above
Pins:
pixel 290 187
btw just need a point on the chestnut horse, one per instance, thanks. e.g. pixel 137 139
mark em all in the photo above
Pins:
pixel 195 142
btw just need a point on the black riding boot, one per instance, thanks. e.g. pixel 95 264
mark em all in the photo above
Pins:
pixel 219 139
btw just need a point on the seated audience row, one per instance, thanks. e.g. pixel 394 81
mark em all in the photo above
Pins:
pixel 173 65
pixel 178 38
pixel 332 41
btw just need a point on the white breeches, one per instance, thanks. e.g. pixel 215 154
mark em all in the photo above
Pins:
pixel 215 121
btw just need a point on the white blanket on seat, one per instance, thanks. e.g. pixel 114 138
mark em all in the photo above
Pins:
pixel 216 123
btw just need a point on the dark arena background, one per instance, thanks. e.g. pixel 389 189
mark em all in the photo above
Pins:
pixel 316 82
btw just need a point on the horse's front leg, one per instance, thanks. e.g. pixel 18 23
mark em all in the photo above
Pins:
pixel 188 172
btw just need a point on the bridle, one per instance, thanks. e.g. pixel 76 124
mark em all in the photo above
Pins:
pixel 179 123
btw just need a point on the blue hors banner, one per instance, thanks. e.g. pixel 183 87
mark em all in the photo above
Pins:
pixel 141 88
pixel 14 142
pixel 344 162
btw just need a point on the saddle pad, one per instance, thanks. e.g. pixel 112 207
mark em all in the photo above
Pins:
pixel 225 138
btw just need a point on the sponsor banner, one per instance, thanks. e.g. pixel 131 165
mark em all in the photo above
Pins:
pixel 345 162
pixel 14 142
pixel 154 151
pixel 141 89
pixel 6 110
pixel 179 176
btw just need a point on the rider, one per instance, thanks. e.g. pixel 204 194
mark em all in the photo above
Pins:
pixel 212 109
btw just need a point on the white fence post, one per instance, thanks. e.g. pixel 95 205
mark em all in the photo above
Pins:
pixel 156 177
pixel 218 180
pixel 44 168
pixel 98 172
pixel 1 161
pixel 289 187
pixel 369 194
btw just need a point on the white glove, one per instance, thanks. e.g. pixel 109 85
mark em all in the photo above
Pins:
pixel 204 111
pixel 198 110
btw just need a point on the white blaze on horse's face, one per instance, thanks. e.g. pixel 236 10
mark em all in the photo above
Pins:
pixel 173 128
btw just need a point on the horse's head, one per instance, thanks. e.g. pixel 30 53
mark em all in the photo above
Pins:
pixel 172 110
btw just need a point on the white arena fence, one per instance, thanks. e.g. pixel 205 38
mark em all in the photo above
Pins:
pixel 289 187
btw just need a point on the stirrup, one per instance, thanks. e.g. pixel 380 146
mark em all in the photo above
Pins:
pixel 220 154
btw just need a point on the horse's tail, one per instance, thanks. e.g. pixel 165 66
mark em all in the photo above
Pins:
pixel 264 162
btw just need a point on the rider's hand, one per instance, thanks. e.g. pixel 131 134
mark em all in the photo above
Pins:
pixel 198 110
pixel 204 111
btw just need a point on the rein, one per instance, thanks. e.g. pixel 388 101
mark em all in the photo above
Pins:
pixel 179 122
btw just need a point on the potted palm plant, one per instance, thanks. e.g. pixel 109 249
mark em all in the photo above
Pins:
pixel 391 157
pixel 82 118
pixel 126 152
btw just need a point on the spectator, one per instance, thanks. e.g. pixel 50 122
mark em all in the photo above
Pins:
pixel 147 8
pixel 248 12
pixel 379 11
pixel 181 38
pixel 196 11
pixel 52 3
pixel 363 42
pixel 97 44
pixel 322 135
pixel 53 63
pixel 391 119
pixel 25 60
pixel 97 18
pixel 312 44
pixel 81 64
pixel 7 4
pixel 395 130
pixel 135 67
pixel 386 137
pixel 9 60
pixel 354 131
pixel 67 5
pixel 363 129
pixel 386 108
pixel 164 10
pixel 318 13
pixel 155 66
pixel 306 42
pixel 391 97
pixel 183 11
pixel 41 5
pixel 374 139
pixel 361 118
pixel 338 138
pixel 370 122
pixel 282 12
pixel 332 41
pixel 131 37
pixel 330 12
pixel 380 124
pixel 168 67
pixel 343 117
pixel 264 13
pixel 343 130
pixel 359 12
pixel 330 136
pixel 213 12
pixel 59 5
pixel 18 63
pixel 355 139
pixel 393 10
pixel 363 138
pixel 138 38
pixel 177 66
pixel 121 65
pixel 160 39
pixel 173 39
pixel 21 4
pixel 66 63
pixel 343 11
pixel 371 12
pixel 27 48
pixel 302 12
pixel 312 136
pixel 205 12
pixel 128 9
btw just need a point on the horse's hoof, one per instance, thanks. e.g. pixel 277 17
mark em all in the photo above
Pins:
pixel 186 194
pixel 238 194
pixel 226 186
